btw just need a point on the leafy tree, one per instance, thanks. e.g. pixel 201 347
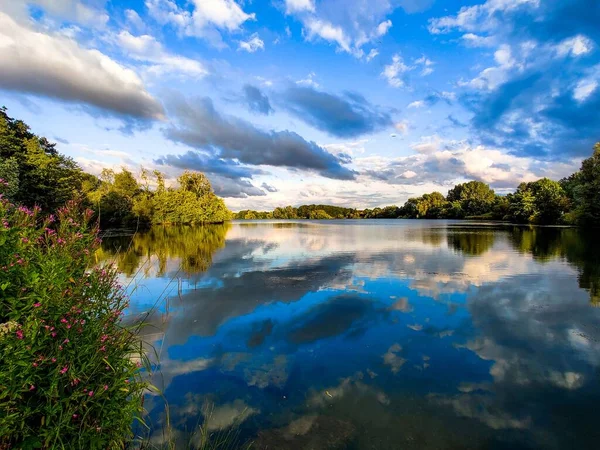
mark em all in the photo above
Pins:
pixel 125 183
pixel 319 214
pixel 45 177
pixel 195 182
pixel 475 197
pixel 588 191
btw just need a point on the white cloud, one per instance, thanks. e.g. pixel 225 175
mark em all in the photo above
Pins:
pixel 372 54
pixel 478 18
pixel 417 104
pixel 327 31
pixel 350 24
pixel 72 10
pixel 146 48
pixel 294 6
pixel 503 56
pixel 474 40
pixel 426 65
pixel 206 19
pixel 58 67
pixel 134 19
pixel 225 14
pixel 309 80
pixel 383 28
pixel 393 71
pixel 575 46
pixel 253 44
pixel 584 89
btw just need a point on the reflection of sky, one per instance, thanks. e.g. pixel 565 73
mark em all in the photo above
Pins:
pixel 290 324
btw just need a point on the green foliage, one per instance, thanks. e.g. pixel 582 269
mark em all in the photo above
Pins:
pixel 122 202
pixel 68 378
pixel 586 190
pixel 40 175
pixel 475 197
pixel 542 201
pixel 319 214
pixel 9 178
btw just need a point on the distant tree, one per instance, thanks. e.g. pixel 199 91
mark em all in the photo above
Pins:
pixel 475 197
pixel 319 214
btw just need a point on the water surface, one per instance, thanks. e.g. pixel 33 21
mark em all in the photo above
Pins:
pixel 371 334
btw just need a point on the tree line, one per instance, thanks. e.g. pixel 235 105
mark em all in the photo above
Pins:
pixel 574 200
pixel 34 173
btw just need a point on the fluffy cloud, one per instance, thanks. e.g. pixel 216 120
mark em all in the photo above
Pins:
pixel 349 115
pixel 147 49
pixel 55 66
pixel 206 19
pixel 446 163
pixel 253 44
pixel 71 10
pixel 394 71
pixel 350 24
pixel 294 6
pixel 199 125
pixel 539 96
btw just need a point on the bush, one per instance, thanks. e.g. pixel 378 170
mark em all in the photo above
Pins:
pixel 68 371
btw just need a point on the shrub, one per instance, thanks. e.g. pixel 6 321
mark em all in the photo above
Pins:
pixel 68 371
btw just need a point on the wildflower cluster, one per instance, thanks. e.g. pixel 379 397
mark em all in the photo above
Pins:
pixel 68 376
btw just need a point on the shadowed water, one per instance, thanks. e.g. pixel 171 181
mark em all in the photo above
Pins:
pixel 371 334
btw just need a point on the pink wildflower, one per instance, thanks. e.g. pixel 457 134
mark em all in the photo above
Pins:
pixel 106 387
pixel 64 370
pixel 37 305
pixel 91 393
pixel 19 334
pixel 32 387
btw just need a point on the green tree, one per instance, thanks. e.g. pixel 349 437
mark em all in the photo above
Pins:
pixel 588 192
pixel 475 197
pixel 45 177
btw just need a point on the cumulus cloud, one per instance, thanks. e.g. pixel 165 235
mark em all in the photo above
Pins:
pixel 393 72
pixel 348 25
pixel 348 115
pixel 256 100
pixel 294 6
pixel 198 124
pixel 206 19
pixel 71 10
pixel 57 67
pixel 253 44
pixel 447 162
pixel 147 49
pixel 539 96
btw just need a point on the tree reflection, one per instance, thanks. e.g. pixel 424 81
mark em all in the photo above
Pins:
pixel 581 249
pixel 193 246
pixel 472 242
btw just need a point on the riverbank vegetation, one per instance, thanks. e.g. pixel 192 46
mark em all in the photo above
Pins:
pixel 34 173
pixel 70 374
pixel 571 201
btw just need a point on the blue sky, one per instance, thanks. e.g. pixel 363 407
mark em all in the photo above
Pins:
pixel 354 102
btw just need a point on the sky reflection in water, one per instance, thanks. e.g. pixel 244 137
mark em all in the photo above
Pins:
pixel 372 334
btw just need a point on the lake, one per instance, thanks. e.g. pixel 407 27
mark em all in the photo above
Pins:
pixel 372 334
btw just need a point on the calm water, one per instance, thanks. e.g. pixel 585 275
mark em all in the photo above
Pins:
pixel 372 334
